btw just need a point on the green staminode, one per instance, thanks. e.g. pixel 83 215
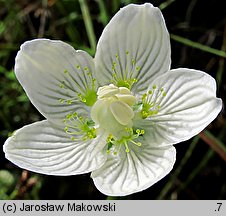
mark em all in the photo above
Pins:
pixel 128 83
pixel 150 104
pixel 89 98
pixel 79 126
pixel 129 75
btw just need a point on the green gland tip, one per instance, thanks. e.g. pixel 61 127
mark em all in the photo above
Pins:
pixel 89 98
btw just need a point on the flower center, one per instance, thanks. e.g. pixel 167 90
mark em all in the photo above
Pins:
pixel 113 110
pixel 113 115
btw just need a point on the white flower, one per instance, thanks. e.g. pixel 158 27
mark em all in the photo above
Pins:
pixel 117 115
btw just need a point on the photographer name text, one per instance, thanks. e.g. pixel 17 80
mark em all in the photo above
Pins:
pixel 69 207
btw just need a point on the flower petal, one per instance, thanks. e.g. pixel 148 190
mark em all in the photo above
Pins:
pixel 135 44
pixel 44 148
pixel 135 171
pixel 53 74
pixel 190 104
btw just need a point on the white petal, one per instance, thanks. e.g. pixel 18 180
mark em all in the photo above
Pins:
pixel 137 35
pixel 44 148
pixel 134 171
pixel 50 72
pixel 189 106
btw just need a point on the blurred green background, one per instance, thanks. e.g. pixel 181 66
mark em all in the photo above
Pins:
pixel 198 39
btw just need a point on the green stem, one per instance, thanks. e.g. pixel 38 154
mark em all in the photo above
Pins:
pixel 176 173
pixel 165 4
pixel 214 143
pixel 103 17
pixel 197 170
pixel 203 163
pixel 210 153
pixel 88 24
pixel 197 45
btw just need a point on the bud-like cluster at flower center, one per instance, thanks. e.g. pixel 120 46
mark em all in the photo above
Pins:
pixel 113 111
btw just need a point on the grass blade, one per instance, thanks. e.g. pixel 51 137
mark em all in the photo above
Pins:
pixel 88 24
pixel 197 45
pixel 214 143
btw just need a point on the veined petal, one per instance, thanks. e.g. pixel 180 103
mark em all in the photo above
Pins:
pixel 134 46
pixel 54 76
pixel 135 171
pixel 189 105
pixel 45 148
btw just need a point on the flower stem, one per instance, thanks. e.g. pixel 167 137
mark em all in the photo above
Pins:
pixel 199 46
pixel 204 161
pixel 165 4
pixel 103 16
pixel 176 173
pixel 88 24
pixel 214 143
pixel 206 158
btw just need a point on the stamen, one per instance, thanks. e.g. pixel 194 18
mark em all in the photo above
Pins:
pixel 117 150
pixel 136 143
pixel 129 138
pixel 126 145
